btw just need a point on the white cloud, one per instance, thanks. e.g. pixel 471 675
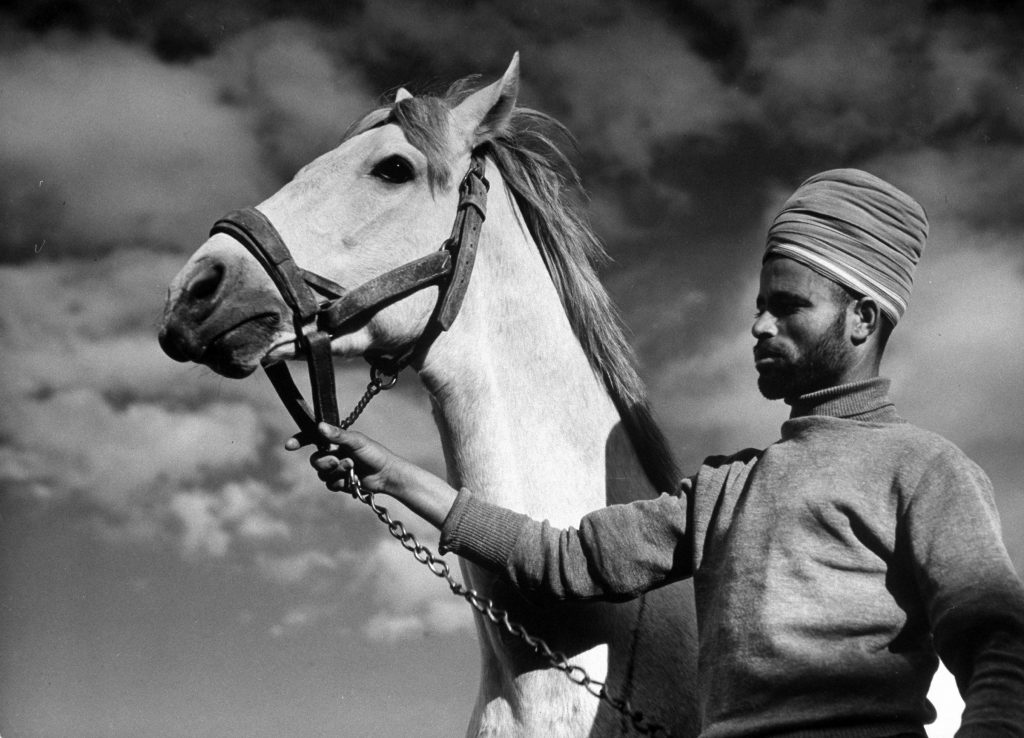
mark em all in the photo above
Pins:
pixel 303 616
pixel 391 595
pixel 238 511
pixel 960 349
pixel 75 442
pixel 202 532
pixel 437 617
pixel 292 568
pixel 410 600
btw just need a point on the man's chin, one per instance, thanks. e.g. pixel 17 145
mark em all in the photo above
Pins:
pixel 772 387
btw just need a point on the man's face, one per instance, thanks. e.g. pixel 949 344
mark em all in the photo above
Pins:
pixel 801 331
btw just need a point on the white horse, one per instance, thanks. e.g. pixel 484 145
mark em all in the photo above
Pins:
pixel 534 388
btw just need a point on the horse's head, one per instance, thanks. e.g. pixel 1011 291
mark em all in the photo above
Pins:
pixel 385 197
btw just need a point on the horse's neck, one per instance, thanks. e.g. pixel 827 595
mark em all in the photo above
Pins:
pixel 524 420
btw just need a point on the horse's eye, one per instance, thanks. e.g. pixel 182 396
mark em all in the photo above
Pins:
pixel 393 169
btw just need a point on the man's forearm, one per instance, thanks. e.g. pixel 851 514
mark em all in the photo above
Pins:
pixel 994 689
pixel 425 494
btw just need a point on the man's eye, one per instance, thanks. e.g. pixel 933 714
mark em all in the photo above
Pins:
pixel 394 169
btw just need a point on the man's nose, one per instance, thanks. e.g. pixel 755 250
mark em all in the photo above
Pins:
pixel 764 325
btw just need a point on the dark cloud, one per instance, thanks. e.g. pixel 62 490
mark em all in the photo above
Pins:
pixel 176 31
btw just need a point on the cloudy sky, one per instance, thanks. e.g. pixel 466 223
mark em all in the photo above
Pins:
pixel 166 569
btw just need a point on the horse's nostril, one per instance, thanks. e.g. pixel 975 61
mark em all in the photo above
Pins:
pixel 204 285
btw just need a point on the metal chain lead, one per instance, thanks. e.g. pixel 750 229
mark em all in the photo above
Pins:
pixel 486 607
pixel 379 381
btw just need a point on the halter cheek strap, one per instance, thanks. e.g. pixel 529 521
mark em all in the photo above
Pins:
pixel 316 323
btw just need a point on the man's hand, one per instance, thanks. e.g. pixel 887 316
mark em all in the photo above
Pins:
pixel 379 471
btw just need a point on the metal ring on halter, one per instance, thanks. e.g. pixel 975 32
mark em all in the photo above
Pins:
pixel 382 378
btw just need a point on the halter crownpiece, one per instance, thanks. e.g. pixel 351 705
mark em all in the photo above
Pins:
pixel 317 322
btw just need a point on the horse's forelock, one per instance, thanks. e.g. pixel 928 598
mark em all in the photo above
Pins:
pixel 424 121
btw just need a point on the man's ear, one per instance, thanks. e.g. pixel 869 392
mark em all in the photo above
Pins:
pixel 867 318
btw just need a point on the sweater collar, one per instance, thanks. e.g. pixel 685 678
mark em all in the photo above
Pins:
pixel 867 399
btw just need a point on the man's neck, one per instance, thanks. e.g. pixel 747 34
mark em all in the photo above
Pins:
pixel 865 397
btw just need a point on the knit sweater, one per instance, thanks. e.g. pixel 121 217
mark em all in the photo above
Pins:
pixel 829 569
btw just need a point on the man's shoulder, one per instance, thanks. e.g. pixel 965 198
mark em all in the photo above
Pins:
pixel 910 438
pixel 718 472
pixel 916 455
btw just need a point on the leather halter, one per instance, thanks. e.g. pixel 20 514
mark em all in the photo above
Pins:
pixel 317 322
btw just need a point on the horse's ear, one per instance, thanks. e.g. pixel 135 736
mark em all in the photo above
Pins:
pixel 485 114
pixel 402 94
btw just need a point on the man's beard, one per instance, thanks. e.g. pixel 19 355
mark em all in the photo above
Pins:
pixel 819 368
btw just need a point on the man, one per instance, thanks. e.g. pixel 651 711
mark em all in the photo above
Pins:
pixel 829 568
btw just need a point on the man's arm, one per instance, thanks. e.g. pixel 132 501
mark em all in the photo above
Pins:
pixel 975 598
pixel 988 662
pixel 616 553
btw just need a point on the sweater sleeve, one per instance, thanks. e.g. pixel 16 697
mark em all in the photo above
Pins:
pixel 974 597
pixel 616 553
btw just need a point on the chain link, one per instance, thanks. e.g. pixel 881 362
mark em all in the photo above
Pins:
pixel 486 607
pixel 379 381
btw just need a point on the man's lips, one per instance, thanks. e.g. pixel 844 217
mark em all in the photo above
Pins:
pixel 766 357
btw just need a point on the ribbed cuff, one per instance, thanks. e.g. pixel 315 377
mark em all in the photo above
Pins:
pixel 481 532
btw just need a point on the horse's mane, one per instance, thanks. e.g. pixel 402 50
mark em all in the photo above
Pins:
pixel 547 189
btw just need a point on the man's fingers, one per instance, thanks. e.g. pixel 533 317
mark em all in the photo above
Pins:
pixel 331 433
pixel 330 465
pixel 349 439
pixel 327 432
pixel 299 440
pixel 327 462
pixel 324 463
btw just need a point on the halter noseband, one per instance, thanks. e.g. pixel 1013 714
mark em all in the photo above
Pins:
pixel 317 322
